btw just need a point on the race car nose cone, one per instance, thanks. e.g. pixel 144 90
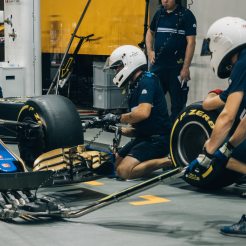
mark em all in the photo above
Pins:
pixel 7 166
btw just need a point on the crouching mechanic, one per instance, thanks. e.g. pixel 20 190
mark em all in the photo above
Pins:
pixel 224 154
pixel 148 115
pixel 227 43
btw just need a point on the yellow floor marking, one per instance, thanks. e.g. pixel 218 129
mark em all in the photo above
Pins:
pixel 94 183
pixel 150 200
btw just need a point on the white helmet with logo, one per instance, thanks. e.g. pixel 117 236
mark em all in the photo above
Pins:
pixel 226 36
pixel 130 58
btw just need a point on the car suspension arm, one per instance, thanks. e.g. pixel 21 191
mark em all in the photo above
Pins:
pixel 12 123
pixel 46 207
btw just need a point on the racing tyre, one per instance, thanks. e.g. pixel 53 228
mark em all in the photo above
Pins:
pixel 191 129
pixel 56 125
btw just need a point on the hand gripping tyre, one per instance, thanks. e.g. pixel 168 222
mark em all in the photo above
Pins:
pixel 58 124
pixel 189 133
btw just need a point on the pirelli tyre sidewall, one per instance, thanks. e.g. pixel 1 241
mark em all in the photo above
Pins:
pixel 192 128
pixel 60 126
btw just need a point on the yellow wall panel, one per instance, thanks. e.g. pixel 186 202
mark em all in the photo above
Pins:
pixel 115 22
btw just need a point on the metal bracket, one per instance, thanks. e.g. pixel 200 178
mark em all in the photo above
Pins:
pixel 13 34
pixel 9 21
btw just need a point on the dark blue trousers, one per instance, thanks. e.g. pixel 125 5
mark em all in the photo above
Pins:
pixel 170 83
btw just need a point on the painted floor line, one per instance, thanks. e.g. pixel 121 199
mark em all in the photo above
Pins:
pixel 149 199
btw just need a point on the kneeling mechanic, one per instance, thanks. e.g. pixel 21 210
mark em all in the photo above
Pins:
pixel 148 115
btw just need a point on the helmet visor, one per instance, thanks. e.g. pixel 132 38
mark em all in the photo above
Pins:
pixel 110 65
pixel 205 48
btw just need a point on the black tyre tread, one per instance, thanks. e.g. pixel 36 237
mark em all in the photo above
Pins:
pixel 60 122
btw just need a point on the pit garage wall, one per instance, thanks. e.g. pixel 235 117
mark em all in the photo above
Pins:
pixel 1 31
pixel 113 22
pixel 21 72
pixel 206 12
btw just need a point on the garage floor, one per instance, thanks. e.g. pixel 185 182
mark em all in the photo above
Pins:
pixel 172 213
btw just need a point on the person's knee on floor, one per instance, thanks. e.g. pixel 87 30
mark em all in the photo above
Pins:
pixel 123 172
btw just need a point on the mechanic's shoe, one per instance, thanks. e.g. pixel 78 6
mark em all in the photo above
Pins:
pixel 241 182
pixel 243 194
pixel 238 229
pixel 105 169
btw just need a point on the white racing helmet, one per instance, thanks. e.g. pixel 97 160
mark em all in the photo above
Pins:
pixel 130 58
pixel 226 36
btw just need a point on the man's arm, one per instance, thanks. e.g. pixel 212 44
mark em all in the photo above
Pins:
pixel 189 52
pixel 212 101
pixel 224 122
pixel 140 113
pixel 150 45
pixel 240 134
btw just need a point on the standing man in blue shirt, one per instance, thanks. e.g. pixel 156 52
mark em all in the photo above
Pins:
pixel 148 115
pixel 170 43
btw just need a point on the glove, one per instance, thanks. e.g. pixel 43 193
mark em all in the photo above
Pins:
pixel 111 118
pixel 223 154
pixel 112 129
pixel 107 128
pixel 201 163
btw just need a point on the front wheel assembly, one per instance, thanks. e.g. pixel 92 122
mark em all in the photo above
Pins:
pixel 54 123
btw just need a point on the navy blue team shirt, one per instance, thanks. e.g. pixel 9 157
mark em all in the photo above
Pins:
pixel 237 82
pixel 147 89
pixel 171 30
